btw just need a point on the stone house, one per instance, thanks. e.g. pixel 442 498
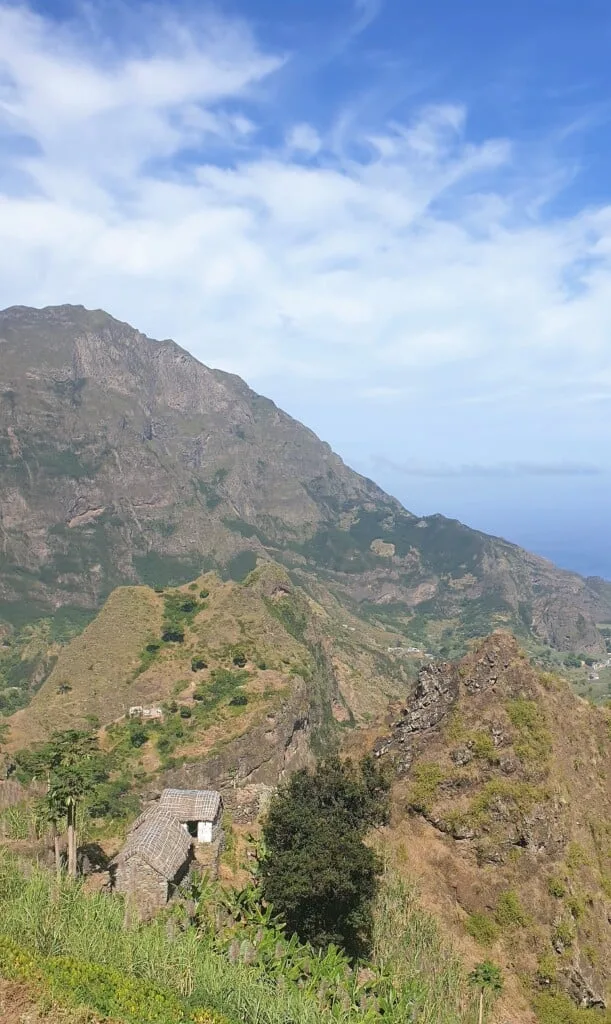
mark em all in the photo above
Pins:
pixel 182 831
pixel 154 860
pixel 199 811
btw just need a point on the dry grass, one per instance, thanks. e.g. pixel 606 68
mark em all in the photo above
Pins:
pixel 21 1005
pixel 96 666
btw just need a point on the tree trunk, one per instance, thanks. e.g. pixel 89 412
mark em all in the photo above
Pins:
pixel 72 840
pixel 58 856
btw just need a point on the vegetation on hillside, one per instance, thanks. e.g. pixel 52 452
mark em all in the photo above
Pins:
pixel 72 766
pixel 317 872
pixel 222 956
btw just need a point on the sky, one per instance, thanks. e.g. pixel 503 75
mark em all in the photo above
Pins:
pixel 393 217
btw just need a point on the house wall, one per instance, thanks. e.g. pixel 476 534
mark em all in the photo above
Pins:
pixel 146 890
pixel 204 831
pixel 209 831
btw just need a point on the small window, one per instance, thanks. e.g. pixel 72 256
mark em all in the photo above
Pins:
pixel 192 828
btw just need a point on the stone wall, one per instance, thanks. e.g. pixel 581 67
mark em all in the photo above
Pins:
pixel 146 890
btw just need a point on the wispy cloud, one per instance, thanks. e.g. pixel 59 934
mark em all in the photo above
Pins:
pixel 366 11
pixel 138 173
pixel 495 469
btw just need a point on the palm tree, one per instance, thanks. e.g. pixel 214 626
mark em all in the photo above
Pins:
pixel 73 766
pixel 486 977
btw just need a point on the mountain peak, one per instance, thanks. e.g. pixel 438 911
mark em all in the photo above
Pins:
pixel 127 460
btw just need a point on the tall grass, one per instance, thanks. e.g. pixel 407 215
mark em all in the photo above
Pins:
pixel 408 945
pixel 425 981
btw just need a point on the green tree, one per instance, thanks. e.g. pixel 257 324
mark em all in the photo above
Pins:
pixel 73 766
pixel 488 979
pixel 317 872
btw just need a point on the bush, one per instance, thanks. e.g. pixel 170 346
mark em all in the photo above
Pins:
pixel 482 928
pixel 318 873
pixel 556 887
pixel 509 911
pixel 559 1009
pixel 563 935
pixel 197 664
pixel 173 635
pixel 137 734
pixel 427 776
pixel 239 700
pixel 184 711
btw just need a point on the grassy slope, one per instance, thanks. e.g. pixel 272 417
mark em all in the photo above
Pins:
pixel 79 947
pixel 282 633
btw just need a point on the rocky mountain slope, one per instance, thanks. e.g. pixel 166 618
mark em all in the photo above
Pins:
pixel 502 810
pixel 126 461
pixel 251 678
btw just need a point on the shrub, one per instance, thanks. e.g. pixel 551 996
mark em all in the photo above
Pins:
pixel 547 969
pixel 427 777
pixel 509 912
pixel 557 1008
pixel 197 664
pixel 556 887
pixel 533 741
pixel 184 711
pixel 137 734
pixel 483 746
pixel 482 928
pixel 563 935
pixel 173 635
pixel 239 700
pixel 577 906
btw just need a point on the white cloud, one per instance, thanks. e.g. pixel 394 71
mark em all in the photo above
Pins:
pixel 305 138
pixel 148 187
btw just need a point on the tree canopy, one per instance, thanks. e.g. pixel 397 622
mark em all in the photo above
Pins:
pixel 73 766
pixel 317 872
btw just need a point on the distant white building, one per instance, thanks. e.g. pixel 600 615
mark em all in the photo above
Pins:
pixel 137 711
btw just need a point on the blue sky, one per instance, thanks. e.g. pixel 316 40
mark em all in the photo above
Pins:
pixel 392 217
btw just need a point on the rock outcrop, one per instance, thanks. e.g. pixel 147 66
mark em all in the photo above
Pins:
pixel 503 787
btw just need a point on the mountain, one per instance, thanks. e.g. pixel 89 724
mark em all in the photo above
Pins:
pixel 504 817
pixel 127 461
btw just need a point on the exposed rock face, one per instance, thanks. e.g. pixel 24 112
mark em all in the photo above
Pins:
pixel 126 460
pixel 247 768
pixel 436 693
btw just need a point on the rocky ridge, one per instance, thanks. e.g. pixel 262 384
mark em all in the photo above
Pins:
pixel 502 803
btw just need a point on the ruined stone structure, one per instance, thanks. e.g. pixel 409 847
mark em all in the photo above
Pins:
pixel 181 830
pixel 153 861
